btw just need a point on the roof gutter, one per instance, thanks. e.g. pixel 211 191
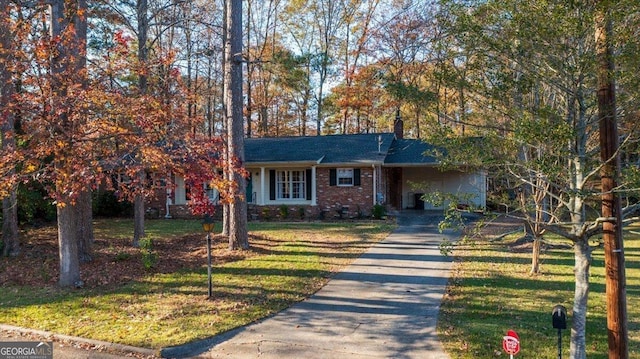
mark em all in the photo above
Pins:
pixel 281 163
pixel 410 164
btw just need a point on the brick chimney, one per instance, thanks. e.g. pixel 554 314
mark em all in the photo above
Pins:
pixel 398 126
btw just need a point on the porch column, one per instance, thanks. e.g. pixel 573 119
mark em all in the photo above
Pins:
pixel 262 180
pixel 374 196
pixel 169 202
pixel 314 197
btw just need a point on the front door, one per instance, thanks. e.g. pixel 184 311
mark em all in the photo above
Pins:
pixel 394 177
pixel 249 192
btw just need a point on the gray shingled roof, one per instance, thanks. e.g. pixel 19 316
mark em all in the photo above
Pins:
pixel 409 151
pixel 338 149
pixel 360 148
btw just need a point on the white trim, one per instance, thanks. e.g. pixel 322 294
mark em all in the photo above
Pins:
pixel 374 195
pixel 338 177
pixel 291 185
pixel 168 201
pixel 262 186
pixel 314 195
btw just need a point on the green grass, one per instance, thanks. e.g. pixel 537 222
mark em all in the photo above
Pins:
pixel 292 261
pixel 491 291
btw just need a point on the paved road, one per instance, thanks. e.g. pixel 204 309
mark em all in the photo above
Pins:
pixel 384 305
pixel 67 347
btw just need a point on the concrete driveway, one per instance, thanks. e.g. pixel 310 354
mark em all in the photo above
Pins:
pixel 384 305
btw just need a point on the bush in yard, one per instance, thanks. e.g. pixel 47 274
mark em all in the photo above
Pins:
pixel 149 258
pixel 284 211
pixel 106 204
pixel 266 213
pixel 34 205
pixel 378 211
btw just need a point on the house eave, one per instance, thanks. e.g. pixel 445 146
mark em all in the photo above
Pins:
pixel 352 164
pixel 430 165
pixel 282 164
pixel 314 163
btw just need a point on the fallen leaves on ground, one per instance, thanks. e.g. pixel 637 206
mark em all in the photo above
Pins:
pixel 114 260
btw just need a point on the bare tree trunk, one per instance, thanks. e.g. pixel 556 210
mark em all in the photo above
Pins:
pixel 84 226
pixel 84 215
pixel 238 235
pixel 139 200
pixel 68 246
pixel 10 225
pixel 226 120
pixel 143 29
pixel 582 254
pixel 305 102
pixel 535 255
pixel 7 136
pixel 582 251
pixel 250 69
pixel 68 69
pixel 539 196
pixel 463 106
pixel 302 128
pixel 320 103
pixel 418 114
pixel 264 116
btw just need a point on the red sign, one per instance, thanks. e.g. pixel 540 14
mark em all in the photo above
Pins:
pixel 511 343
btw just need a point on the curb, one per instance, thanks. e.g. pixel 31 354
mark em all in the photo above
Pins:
pixel 110 347
pixel 195 348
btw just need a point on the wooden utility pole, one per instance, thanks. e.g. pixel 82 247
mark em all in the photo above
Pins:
pixel 611 206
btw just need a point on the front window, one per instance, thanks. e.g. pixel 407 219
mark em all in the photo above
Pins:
pixel 212 193
pixel 290 184
pixel 345 176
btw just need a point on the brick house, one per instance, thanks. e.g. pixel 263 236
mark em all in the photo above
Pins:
pixel 341 176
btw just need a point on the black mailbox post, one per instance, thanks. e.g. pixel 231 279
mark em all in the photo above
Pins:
pixel 559 321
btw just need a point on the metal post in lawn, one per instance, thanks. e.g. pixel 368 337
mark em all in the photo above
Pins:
pixel 207 226
pixel 210 291
pixel 559 343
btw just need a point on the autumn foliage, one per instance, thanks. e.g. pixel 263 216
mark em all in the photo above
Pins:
pixel 75 122
pixel 88 127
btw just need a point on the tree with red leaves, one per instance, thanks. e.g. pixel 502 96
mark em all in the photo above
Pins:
pixel 83 128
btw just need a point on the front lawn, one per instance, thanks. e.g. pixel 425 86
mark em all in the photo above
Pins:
pixel 491 291
pixel 125 302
